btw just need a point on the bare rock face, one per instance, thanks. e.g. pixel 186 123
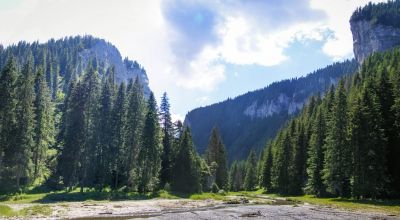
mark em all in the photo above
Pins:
pixel 369 38
pixel 107 55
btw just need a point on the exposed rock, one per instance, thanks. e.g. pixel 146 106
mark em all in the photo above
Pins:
pixel 369 38
pixel 108 55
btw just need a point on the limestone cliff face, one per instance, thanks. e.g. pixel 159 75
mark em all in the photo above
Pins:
pixel 108 55
pixel 369 38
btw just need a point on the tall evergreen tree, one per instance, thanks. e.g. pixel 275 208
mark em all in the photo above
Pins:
pixel 315 162
pixel 118 150
pixel 337 170
pixel 250 180
pixel 298 169
pixel 134 129
pixel 369 145
pixel 44 129
pixel 105 155
pixel 216 153
pixel 167 140
pixel 25 125
pixel 185 168
pixel 69 162
pixel 149 156
pixel 8 125
pixel 266 176
pixel 91 87
pixel 281 163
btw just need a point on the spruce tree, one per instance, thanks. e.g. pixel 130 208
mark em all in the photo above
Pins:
pixel 250 180
pixel 337 167
pixel 315 162
pixel 185 168
pixel 266 176
pixel 105 154
pixel 216 153
pixel 69 162
pixel 44 129
pixel 91 86
pixel 298 169
pixel 8 125
pixel 134 129
pixel 118 148
pixel 369 145
pixel 167 140
pixel 149 156
pixel 25 125
pixel 282 159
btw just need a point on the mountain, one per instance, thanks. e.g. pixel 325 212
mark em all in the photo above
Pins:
pixel 248 120
pixel 375 28
pixel 66 57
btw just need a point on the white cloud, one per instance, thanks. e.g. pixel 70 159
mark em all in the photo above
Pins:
pixel 204 72
pixel 340 45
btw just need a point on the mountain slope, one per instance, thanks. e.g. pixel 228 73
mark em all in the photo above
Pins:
pixel 71 55
pixel 248 120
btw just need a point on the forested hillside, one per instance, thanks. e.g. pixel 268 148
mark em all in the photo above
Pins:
pixel 247 121
pixel 345 144
pixel 67 58
pixel 89 130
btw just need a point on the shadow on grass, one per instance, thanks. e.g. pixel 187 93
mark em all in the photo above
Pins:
pixel 52 197
pixel 96 196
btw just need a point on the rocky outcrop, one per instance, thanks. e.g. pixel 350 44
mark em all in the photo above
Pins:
pixel 108 55
pixel 369 38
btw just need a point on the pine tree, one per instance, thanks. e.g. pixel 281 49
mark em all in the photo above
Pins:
pixel 337 168
pixel 25 125
pixel 185 168
pixel 69 162
pixel 167 140
pixel 315 162
pixel 149 156
pixel 8 125
pixel 281 161
pixel 369 145
pixel 44 129
pixel 91 86
pixel 118 149
pixel 134 129
pixel 216 153
pixel 250 180
pixel 266 176
pixel 105 153
pixel 298 166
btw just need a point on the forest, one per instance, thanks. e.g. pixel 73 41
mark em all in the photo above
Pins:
pixel 100 134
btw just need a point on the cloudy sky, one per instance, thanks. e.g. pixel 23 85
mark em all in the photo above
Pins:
pixel 199 52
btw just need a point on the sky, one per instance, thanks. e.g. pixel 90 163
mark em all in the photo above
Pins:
pixel 199 52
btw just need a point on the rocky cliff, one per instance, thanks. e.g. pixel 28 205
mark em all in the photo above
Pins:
pixel 375 28
pixel 108 55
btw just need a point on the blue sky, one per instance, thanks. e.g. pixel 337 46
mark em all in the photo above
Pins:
pixel 199 52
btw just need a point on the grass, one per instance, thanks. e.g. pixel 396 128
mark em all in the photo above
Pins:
pixel 6 211
pixel 36 210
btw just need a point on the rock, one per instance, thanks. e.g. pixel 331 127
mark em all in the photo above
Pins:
pixel 369 38
pixel 107 55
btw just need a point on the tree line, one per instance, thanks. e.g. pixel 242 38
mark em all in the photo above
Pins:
pixel 97 134
pixel 345 143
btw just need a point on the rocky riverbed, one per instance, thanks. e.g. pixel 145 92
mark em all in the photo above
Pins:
pixel 197 209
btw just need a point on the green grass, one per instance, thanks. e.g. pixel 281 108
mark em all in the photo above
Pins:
pixel 36 210
pixel 6 211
